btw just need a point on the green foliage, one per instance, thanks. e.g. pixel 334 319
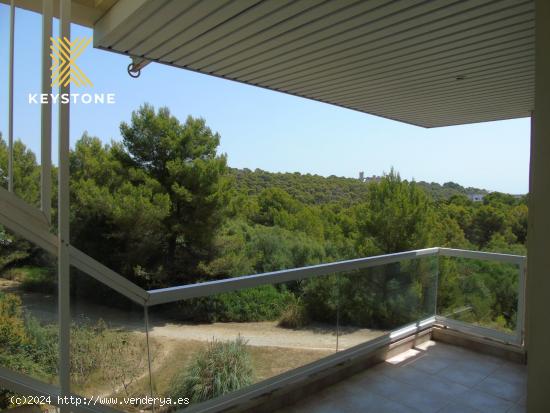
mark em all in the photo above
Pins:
pixel 162 208
pixel 25 346
pixel 182 159
pixel 480 292
pixel 36 279
pixel 221 368
pixel 252 304
pixel 107 355
pixel 397 216
pixel 294 315
pixel 13 335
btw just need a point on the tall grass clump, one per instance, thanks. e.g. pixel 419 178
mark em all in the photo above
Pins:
pixel 295 315
pixel 221 368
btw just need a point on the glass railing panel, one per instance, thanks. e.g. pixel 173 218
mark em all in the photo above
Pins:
pixel 109 351
pixel 214 345
pixel 28 309
pixel 377 300
pixel 479 292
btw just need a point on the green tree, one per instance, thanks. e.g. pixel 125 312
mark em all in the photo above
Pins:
pixel 183 159
pixel 397 216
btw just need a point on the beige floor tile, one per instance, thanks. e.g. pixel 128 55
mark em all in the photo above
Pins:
pixel 503 389
pixel 433 378
pixel 430 364
pixel 457 407
pixel 462 375
pixel 484 402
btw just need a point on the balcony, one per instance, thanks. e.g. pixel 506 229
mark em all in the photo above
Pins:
pixel 430 377
pixel 382 333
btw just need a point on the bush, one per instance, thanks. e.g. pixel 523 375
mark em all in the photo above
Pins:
pixel 221 368
pixel 294 315
pixel 43 344
pixel 39 279
pixel 109 355
pixel 13 335
pixel 265 303
pixel 253 304
pixel 33 279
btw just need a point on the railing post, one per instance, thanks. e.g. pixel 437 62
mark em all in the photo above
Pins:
pixel 46 113
pixel 63 221
pixel 520 315
pixel 146 314
pixel 10 96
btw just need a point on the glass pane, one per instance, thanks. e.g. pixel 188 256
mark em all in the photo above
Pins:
pixel 28 308
pixel 109 358
pixel 214 345
pixel 377 300
pixel 480 292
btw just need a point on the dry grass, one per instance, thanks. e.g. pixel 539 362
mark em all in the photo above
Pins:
pixel 174 356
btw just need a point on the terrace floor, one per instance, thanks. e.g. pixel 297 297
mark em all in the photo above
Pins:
pixel 432 377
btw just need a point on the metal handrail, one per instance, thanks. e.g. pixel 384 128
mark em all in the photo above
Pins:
pixel 206 289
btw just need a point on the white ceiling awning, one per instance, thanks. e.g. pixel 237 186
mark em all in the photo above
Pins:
pixel 428 63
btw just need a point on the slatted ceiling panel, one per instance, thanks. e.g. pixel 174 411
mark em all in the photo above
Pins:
pixel 458 95
pixel 480 61
pixel 345 84
pixel 397 59
pixel 509 83
pixel 461 105
pixel 341 39
pixel 323 19
pixel 476 75
pixel 477 66
pixel 141 10
pixel 407 50
pixel 386 67
pixel 371 39
pixel 371 48
pixel 430 82
pixel 241 36
pixel 201 26
pixel 250 17
pixel 275 30
pixel 151 25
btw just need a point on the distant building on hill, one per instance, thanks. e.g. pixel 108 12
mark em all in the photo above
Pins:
pixel 476 197
pixel 373 178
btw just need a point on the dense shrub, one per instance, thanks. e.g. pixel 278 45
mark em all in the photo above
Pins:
pixel 263 303
pixel 12 326
pixel 221 368
pixel 24 347
pixel 38 279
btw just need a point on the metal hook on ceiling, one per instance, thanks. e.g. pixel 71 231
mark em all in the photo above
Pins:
pixel 134 68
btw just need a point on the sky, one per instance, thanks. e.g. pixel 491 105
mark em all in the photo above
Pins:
pixel 264 129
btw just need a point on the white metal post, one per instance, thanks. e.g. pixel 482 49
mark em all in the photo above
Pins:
pixel 46 113
pixel 10 97
pixel 146 314
pixel 63 219
pixel 520 315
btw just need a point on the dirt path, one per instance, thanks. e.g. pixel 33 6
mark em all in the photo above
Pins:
pixel 266 333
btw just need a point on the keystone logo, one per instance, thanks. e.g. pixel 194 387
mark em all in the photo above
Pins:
pixel 64 68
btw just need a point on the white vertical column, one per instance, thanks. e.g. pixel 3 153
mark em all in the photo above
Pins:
pixel 538 261
pixel 63 219
pixel 10 97
pixel 46 113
